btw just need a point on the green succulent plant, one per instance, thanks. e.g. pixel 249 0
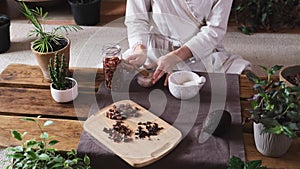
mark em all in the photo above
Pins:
pixel 45 41
pixel 276 106
pixel 58 72
pixel 39 154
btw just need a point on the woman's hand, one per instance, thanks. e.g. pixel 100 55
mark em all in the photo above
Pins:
pixel 167 62
pixel 138 57
pixel 164 65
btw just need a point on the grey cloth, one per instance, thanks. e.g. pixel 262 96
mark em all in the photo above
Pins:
pixel 187 116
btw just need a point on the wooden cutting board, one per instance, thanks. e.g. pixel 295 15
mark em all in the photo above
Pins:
pixel 137 152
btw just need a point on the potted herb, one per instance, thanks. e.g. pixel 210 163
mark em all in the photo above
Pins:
pixel 275 112
pixel 47 44
pixel 4 33
pixel 85 12
pixel 39 154
pixel 63 88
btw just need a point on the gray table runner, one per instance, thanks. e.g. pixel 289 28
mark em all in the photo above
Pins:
pixel 195 150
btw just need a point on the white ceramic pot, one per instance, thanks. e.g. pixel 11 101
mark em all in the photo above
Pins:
pixel 268 144
pixel 63 96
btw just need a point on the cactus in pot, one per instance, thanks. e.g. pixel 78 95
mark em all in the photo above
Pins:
pixel 63 88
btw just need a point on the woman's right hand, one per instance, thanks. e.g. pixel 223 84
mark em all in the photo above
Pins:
pixel 138 57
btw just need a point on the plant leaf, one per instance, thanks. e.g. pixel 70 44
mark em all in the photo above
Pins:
pixel 29 119
pixel 290 133
pixel 86 160
pixel 32 155
pixel 16 135
pixel 235 163
pixel 53 142
pixel 253 164
pixel 44 135
pixel 252 77
pixel 48 123
pixel 44 157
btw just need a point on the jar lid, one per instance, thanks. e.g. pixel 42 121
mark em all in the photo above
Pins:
pixel 111 49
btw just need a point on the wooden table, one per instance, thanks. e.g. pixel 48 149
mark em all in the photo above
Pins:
pixel 24 93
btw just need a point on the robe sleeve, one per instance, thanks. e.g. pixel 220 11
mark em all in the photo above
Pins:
pixel 137 22
pixel 211 35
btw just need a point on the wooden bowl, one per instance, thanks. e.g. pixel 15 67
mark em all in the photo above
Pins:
pixel 288 71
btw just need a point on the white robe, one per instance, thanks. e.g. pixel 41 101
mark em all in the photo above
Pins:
pixel 198 24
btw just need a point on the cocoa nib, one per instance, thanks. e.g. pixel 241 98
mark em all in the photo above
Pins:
pixel 147 129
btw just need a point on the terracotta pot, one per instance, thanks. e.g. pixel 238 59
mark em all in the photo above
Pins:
pixel 271 145
pixel 43 58
pixel 288 71
pixel 63 96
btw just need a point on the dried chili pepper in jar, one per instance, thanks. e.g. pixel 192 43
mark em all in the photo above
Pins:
pixel 111 60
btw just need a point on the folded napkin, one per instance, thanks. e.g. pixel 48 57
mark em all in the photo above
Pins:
pixel 195 150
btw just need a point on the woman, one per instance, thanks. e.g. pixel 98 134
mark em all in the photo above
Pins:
pixel 180 34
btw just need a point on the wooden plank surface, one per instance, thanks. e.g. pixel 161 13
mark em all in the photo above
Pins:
pixel 34 102
pixel 23 92
pixel 68 132
pixel 28 76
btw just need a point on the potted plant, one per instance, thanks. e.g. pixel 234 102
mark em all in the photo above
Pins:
pixel 253 16
pixel 85 12
pixel 39 154
pixel 275 112
pixel 4 33
pixel 63 88
pixel 290 75
pixel 47 44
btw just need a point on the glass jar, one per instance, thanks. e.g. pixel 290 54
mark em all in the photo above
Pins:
pixel 111 60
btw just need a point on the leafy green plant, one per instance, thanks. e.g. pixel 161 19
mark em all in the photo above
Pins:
pixel 276 106
pixel 34 154
pixel 45 41
pixel 237 163
pixel 58 72
pixel 267 15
